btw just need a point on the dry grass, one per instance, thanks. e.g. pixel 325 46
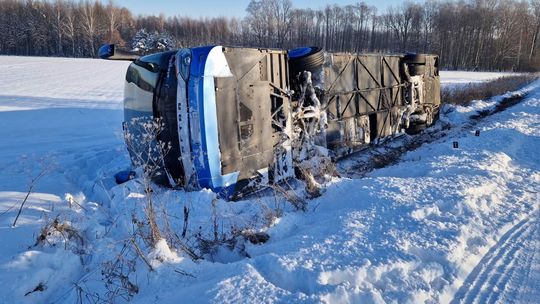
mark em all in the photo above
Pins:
pixel 60 232
pixel 485 90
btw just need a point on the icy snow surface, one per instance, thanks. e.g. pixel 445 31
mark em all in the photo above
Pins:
pixel 442 225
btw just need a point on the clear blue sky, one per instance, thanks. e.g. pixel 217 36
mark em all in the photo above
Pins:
pixel 233 8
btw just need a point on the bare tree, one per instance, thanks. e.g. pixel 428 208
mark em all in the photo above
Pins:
pixel 89 24
pixel 402 21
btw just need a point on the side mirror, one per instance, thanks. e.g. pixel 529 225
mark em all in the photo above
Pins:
pixel 111 52
pixel 106 51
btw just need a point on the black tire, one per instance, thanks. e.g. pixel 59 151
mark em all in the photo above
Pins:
pixel 432 116
pixel 305 59
pixel 417 70
pixel 415 58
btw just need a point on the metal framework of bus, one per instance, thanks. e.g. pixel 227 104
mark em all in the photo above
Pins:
pixel 240 119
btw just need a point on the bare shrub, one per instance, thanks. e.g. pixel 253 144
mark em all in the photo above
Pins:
pixel 173 239
pixel 233 239
pixel 209 245
pixel 57 231
pixel 148 153
pixel 44 166
pixel 485 90
pixel 270 214
pixel 256 237
pixel 117 275
pixel 298 202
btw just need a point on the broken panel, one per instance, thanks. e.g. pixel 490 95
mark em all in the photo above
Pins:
pixel 256 116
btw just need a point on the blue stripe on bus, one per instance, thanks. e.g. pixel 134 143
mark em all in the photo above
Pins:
pixel 206 153
pixel 195 96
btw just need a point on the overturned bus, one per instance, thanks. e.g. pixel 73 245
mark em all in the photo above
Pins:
pixel 239 119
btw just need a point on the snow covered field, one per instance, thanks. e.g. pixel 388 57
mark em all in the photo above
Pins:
pixel 442 225
pixel 464 77
pixel 456 79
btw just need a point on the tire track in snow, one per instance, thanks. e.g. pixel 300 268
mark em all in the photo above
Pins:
pixel 518 285
pixel 490 277
pixel 502 277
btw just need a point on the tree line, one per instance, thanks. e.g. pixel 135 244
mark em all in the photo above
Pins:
pixel 467 34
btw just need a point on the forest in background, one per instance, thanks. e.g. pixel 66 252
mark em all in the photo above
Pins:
pixel 467 34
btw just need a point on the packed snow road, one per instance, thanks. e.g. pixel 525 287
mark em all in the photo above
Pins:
pixel 442 225
pixel 510 271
